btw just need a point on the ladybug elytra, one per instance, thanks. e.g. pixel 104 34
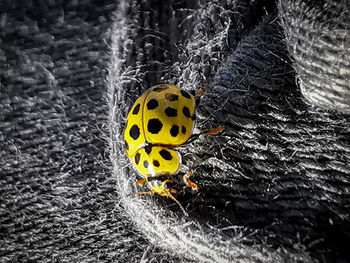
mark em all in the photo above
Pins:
pixel 161 119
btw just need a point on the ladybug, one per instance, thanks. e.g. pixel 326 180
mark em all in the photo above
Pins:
pixel 161 119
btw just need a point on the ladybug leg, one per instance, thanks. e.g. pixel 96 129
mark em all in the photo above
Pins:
pixel 168 190
pixel 191 139
pixel 188 182
pixel 141 182
pixel 200 93
pixel 213 131
pixel 204 132
pixel 173 191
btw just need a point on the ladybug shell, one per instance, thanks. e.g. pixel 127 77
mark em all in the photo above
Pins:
pixel 134 135
pixel 163 115
pixel 153 161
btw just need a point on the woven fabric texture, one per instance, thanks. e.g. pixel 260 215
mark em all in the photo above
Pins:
pixel 318 37
pixel 274 187
pixel 58 200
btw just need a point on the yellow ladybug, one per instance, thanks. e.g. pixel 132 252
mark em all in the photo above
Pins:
pixel 160 120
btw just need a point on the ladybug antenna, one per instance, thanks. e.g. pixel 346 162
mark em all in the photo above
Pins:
pixel 174 199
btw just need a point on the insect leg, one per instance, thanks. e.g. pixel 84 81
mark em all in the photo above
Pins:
pixel 204 132
pixel 188 182
pixel 141 182
pixel 200 93
pixel 213 131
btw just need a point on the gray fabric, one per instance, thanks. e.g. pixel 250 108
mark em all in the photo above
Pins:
pixel 318 36
pixel 58 200
pixel 273 188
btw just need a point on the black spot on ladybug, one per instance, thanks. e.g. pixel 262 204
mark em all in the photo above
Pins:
pixel 165 154
pixel 174 131
pixel 160 88
pixel 156 163
pixel 154 126
pixel 137 158
pixel 171 112
pixel 193 117
pixel 171 97
pixel 134 132
pixel 152 104
pixel 185 94
pixel 148 148
pixel 145 164
pixel 186 112
pixel 183 129
pixel 136 109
